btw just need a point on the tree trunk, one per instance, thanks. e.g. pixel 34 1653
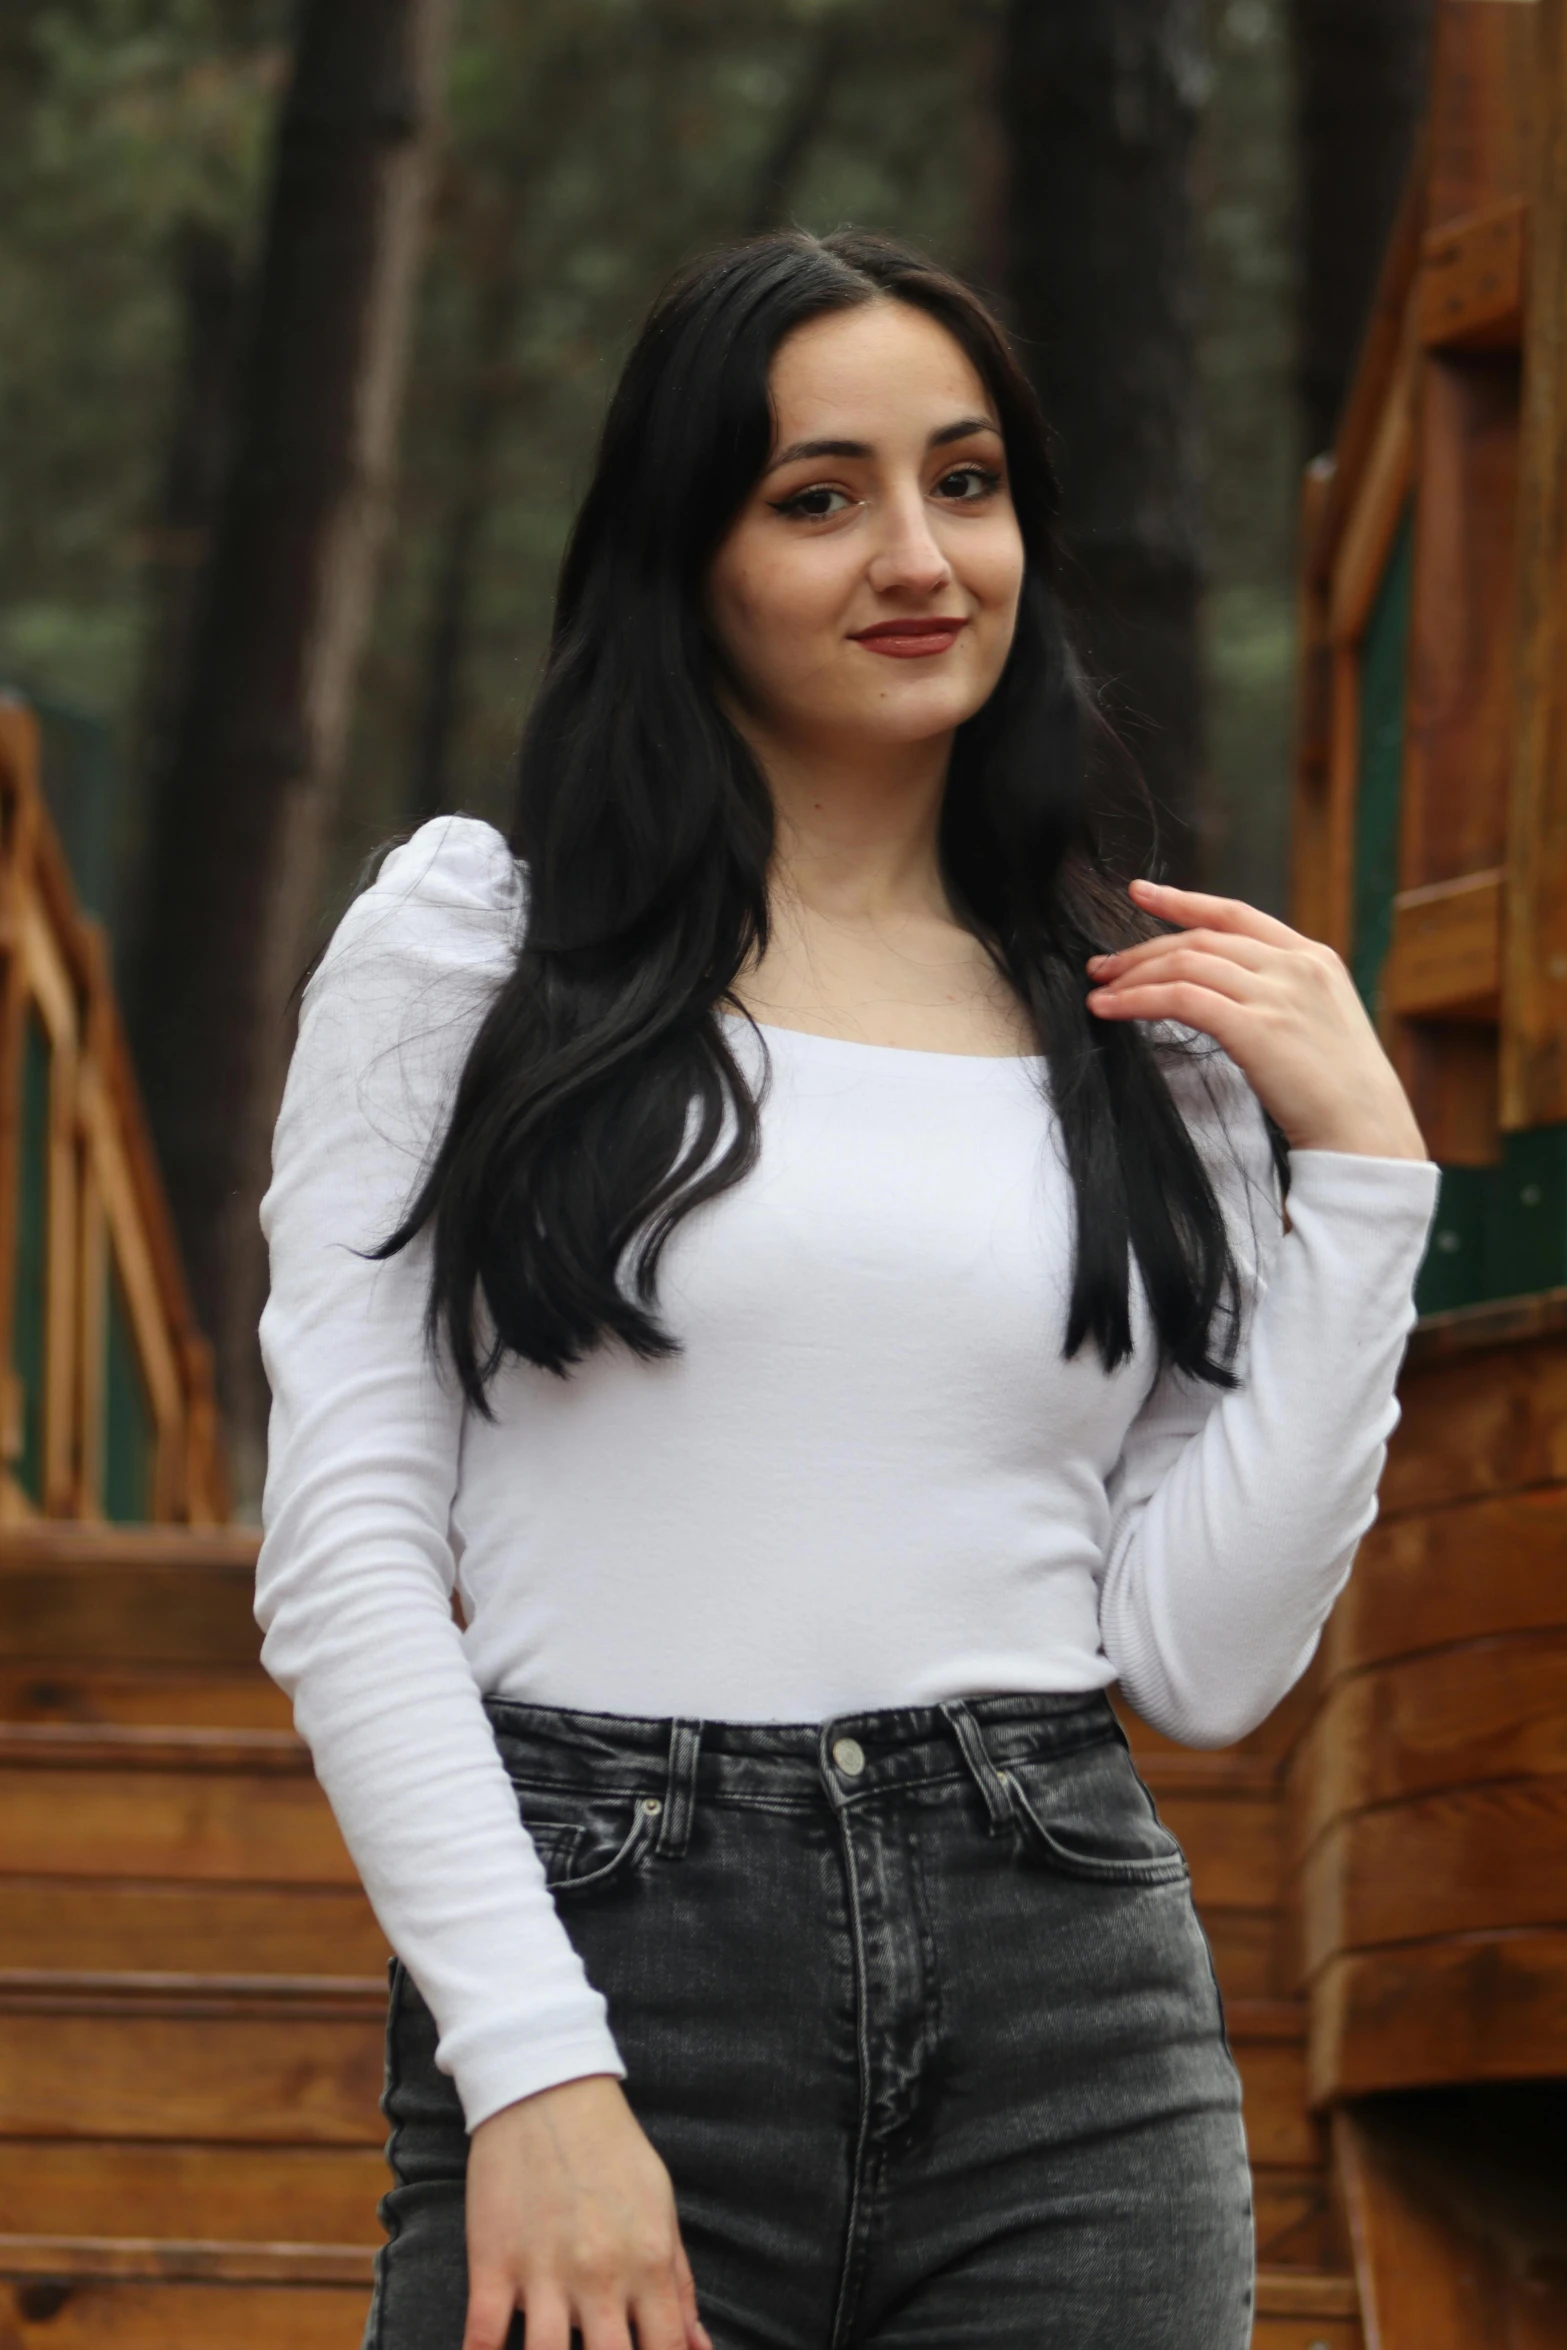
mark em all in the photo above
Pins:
pixel 236 830
pixel 1101 101
pixel 1360 82
pixel 195 469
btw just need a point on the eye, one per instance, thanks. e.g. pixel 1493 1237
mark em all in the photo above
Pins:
pixel 816 504
pixel 966 485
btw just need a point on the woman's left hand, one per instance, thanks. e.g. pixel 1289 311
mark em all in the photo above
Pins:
pixel 1283 1008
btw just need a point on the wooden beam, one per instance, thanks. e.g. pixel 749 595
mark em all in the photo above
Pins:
pixel 1534 985
pixel 1472 280
pixel 1445 961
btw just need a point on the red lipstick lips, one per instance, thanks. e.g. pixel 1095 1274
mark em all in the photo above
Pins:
pixel 910 640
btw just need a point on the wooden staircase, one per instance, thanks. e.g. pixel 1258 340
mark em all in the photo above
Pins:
pixel 192 1986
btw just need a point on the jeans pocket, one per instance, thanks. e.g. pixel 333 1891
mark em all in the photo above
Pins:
pixel 607 1839
pixel 1089 1816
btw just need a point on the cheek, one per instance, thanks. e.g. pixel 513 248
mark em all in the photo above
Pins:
pixel 993 567
pixel 770 609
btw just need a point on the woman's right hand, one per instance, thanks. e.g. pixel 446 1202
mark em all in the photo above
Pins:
pixel 571 2219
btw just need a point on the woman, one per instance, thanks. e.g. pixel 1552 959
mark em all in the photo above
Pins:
pixel 805 1269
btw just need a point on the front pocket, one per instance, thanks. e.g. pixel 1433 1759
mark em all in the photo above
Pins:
pixel 1090 1817
pixel 601 1846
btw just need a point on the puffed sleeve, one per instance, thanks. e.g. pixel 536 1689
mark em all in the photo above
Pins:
pixel 356 1573
pixel 1235 1515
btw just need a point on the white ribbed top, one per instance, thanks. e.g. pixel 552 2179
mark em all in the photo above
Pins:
pixel 868 1479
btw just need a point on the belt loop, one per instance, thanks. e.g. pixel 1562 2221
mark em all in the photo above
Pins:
pixel 674 1828
pixel 971 1745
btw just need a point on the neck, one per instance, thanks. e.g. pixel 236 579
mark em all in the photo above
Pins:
pixel 857 826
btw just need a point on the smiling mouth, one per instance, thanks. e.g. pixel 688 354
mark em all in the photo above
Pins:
pixel 910 640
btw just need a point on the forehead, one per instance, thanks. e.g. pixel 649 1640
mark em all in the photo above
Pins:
pixel 871 374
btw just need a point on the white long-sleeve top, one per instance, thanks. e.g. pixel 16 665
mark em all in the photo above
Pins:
pixel 870 1478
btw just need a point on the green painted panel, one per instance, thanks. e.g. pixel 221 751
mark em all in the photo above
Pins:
pixel 1500 1231
pixel 129 1430
pixel 1383 653
pixel 30 1273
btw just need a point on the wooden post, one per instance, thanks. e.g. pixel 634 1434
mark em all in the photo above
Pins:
pixel 1534 949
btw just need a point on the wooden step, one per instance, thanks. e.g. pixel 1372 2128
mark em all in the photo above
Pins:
pixel 127 1596
pixel 258 2060
pixel 73 1925
pixel 133 2187
pixel 76 2293
pixel 85 2293
pixel 112 1801
pixel 1302 2310
pixel 149 1696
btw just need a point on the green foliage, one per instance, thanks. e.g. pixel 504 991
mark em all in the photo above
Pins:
pixel 592 145
pixel 121 121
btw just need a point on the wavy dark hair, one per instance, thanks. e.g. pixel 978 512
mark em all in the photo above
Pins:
pixel 601 1101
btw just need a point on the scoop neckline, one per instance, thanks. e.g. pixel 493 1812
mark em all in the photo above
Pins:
pixel 889 1052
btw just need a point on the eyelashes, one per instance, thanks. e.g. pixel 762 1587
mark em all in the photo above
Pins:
pixel 810 504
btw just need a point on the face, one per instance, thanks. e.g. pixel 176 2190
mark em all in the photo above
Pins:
pixel 867 592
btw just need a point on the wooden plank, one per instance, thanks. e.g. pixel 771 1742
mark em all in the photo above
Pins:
pixel 1446 955
pixel 1456 1717
pixel 1413 2285
pixel 290 2077
pixel 93 2314
pixel 204 1928
pixel 1462 675
pixel 1473 1860
pixel 1232 1844
pixel 1372 517
pixel 1472 281
pixel 176 1696
pixel 97 2187
pixel 1507 1321
pixel 1267 2041
pixel 1292 2211
pixel 1534 1052
pixel 1380 356
pixel 1281 2293
pixel 1449 1575
pixel 1245 1944
pixel 1487 2007
pixel 1482 80
pixel 184 1824
pixel 152 1611
pixel 241 2263
pixel 1494 1423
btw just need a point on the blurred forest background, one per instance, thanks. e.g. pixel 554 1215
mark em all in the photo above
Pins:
pixel 1179 203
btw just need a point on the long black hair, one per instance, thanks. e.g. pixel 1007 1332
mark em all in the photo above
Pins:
pixel 601 1100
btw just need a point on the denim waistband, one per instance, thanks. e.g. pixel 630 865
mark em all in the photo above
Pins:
pixel 673 1764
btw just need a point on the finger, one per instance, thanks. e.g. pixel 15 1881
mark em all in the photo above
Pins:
pixel 1189 907
pixel 604 2325
pixel 1225 978
pixel 660 2319
pixel 1187 954
pixel 492 2304
pixel 697 2335
pixel 1255 953
pixel 1192 1006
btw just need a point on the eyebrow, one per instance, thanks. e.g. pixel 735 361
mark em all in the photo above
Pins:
pixel 962 430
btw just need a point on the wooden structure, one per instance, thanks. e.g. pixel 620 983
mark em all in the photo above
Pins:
pixel 1418 1782
pixel 105 1385
pixel 191 1985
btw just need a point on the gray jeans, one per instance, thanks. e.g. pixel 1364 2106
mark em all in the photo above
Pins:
pixel 916 2008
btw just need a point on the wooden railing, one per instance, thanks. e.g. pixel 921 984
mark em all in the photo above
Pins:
pixel 106 1402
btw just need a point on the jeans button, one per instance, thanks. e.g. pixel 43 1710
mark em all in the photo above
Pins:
pixel 849 1755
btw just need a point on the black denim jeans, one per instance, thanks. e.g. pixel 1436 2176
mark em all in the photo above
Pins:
pixel 916 2008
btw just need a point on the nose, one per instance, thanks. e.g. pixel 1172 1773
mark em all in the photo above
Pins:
pixel 908 559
